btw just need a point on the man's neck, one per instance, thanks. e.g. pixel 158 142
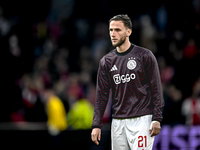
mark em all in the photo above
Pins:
pixel 124 47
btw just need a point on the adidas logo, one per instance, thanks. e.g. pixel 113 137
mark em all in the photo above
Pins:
pixel 114 68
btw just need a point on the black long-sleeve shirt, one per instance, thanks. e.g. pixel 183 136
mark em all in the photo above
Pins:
pixel 134 79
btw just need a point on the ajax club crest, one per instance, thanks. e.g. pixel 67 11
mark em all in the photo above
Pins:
pixel 131 64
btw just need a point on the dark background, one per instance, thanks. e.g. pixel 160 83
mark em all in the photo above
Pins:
pixel 73 25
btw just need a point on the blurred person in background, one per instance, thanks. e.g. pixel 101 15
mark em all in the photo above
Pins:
pixel 191 106
pixel 148 33
pixel 33 106
pixel 81 114
pixel 172 109
pixel 56 114
pixel 166 71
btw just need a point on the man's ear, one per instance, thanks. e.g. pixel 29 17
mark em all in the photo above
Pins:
pixel 128 32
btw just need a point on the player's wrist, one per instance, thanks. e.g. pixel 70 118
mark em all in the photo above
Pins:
pixel 93 127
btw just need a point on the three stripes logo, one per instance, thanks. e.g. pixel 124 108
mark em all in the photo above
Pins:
pixel 114 68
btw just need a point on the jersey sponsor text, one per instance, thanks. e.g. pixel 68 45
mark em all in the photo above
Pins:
pixel 123 78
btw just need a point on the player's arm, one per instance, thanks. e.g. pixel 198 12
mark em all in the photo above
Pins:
pixel 102 94
pixel 156 92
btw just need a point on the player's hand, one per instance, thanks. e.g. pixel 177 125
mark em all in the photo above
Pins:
pixel 155 130
pixel 96 135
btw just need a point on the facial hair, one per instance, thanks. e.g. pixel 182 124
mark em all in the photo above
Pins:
pixel 121 41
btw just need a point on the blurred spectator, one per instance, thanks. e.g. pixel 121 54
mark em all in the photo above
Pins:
pixel 33 108
pixel 166 71
pixel 190 50
pixel 80 115
pixel 74 89
pixel 191 106
pixel 5 25
pixel 61 9
pixel 14 46
pixel 148 33
pixel 57 119
pixel 56 114
pixel 196 5
pixel 100 42
pixel 162 18
pixel 177 54
pixel 82 27
pixel 172 109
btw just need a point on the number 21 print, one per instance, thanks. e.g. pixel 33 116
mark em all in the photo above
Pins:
pixel 142 141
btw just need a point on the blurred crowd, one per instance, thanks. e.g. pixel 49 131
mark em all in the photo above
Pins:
pixel 60 53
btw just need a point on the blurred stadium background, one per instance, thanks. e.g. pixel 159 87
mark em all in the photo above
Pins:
pixel 51 48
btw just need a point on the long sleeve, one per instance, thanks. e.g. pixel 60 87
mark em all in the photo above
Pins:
pixel 152 70
pixel 102 94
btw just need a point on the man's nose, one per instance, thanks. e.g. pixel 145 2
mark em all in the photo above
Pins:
pixel 112 34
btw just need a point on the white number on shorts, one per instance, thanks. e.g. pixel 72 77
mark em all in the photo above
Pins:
pixel 141 142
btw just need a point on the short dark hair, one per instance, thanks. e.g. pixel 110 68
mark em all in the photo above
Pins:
pixel 124 18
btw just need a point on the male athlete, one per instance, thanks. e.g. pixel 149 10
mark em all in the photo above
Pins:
pixel 132 74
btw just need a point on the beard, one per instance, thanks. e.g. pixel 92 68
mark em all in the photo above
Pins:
pixel 120 42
